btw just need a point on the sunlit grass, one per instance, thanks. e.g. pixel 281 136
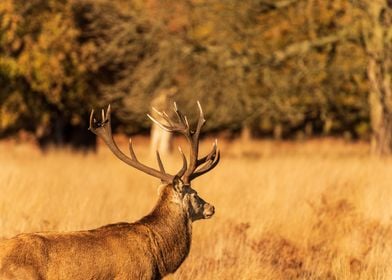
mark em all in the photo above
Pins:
pixel 308 210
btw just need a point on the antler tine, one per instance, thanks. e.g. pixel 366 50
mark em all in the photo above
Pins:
pixel 209 155
pixel 91 120
pixel 162 115
pixel 209 159
pixel 193 139
pixel 182 119
pixel 103 130
pixel 167 118
pixel 131 151
pixel 163 126
pixel 184 164
pixel 108 112
pixel 207 167
pixel 182 126
pixel 186 122
pixel 201 121
pixel 160 163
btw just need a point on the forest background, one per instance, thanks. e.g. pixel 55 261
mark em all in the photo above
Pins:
pixel 284 69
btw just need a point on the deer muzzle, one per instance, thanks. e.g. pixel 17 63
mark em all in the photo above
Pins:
pixel 209 211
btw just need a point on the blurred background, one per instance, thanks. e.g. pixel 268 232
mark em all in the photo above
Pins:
pixel 284 69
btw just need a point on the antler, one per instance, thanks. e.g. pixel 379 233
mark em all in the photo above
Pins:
pixel 196 166
pixel 103 129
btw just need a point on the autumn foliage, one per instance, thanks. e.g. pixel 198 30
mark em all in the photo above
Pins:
pixel 288 68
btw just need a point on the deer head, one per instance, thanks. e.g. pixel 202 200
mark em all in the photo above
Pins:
pixel 179 185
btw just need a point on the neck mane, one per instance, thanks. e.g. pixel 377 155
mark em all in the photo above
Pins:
pixel 171 231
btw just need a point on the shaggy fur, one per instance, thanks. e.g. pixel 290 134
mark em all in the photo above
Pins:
pixel 150 248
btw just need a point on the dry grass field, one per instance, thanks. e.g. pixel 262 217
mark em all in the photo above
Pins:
pixel 306 210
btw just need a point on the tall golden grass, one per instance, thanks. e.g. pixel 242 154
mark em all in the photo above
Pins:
pixel 307 210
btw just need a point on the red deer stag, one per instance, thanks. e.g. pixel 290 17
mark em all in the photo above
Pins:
pixel 150 248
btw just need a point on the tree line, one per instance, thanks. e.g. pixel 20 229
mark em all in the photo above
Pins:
pixel 283 69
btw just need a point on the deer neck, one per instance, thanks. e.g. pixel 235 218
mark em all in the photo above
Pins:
pixel 171 231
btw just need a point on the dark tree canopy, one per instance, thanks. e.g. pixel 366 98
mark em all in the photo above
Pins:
pixel 254 64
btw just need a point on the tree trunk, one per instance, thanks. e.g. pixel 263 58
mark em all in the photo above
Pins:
pixel 380 109
pixel 377 38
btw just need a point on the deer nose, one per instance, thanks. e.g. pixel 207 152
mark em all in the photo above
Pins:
pixel 209 211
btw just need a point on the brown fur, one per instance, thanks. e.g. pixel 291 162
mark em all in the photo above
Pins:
pixel 150 248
